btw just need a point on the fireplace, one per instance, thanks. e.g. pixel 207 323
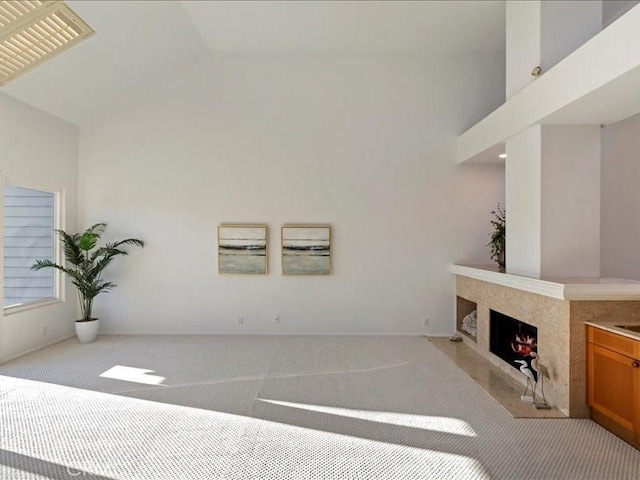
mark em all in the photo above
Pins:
pixel 512 340
pixel 560 335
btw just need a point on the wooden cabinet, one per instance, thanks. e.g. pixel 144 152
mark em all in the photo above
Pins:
pixel 613 387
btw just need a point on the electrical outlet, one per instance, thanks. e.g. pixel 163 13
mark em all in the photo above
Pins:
pixel 426 322
pixel 240 320
pixel 277 318
pixel 45 330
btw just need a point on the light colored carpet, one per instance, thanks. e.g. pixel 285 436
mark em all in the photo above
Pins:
pixel 278 408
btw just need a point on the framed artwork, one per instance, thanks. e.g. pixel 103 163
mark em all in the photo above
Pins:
pixel 242 249
pixel 306 250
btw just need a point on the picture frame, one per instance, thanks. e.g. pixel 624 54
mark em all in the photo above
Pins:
pixel 243 249
pixel 306 249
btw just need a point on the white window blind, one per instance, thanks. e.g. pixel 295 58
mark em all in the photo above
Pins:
pixel 29 219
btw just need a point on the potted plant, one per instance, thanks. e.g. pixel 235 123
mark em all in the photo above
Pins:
pixel 497 243
pixel 85 263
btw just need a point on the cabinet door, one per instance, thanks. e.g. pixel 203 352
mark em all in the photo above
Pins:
pixel 614 386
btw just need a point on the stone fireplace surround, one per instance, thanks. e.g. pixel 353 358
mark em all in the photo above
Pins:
pixel 558 308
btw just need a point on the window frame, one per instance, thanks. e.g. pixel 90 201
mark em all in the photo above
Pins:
pixel 59 289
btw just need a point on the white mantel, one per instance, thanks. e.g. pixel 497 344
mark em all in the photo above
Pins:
pixel 576 289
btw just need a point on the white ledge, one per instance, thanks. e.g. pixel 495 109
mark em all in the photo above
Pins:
pixel 596 84
pixel 577 289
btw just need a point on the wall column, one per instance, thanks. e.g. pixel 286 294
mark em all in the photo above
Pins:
pixel 552 191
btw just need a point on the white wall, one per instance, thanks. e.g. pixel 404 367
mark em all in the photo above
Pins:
pixel 566 25
pixel 42 149
pixel 570 241
pixel 364 142
pixel 614 9
pixel 620 226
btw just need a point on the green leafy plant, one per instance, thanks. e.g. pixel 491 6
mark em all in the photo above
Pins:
pixel 86 262
pixel 497 243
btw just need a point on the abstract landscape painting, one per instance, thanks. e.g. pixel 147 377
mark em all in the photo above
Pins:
pixel 306 250
pixel 242 249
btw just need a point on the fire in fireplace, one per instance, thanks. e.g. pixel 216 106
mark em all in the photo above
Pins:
pixel 512 340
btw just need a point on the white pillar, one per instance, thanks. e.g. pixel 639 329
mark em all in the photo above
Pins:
pixel 552 198
pixel 523 190
pixel 522 44
pixel 541 33
pixel 552 174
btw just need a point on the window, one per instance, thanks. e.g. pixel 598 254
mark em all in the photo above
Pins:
pixel 29 223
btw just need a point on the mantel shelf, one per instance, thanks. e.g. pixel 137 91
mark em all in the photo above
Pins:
pixel 596 84
pixel 576 289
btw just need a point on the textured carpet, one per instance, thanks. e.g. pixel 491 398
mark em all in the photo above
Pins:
pixel 277 408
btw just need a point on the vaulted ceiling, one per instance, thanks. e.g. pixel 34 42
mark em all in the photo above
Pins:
pixel 441 27
pixel 140 42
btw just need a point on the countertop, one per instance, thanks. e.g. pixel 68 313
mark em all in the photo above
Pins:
pixel 610 326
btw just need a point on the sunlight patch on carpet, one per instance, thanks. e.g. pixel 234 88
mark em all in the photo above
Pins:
pixel 133 374
pixel 453 426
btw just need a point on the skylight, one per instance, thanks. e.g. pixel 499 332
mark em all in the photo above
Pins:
pixel 34 31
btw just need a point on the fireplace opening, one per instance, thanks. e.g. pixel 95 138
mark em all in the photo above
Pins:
pixel 512 340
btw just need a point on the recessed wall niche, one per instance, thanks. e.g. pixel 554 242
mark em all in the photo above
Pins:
pixel 464 308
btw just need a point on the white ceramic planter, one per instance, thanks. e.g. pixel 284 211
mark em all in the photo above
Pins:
pixel 87 331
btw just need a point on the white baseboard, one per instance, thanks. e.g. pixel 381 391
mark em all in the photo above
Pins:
pixel 35 349
pixel 224 334
pixel 271 334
